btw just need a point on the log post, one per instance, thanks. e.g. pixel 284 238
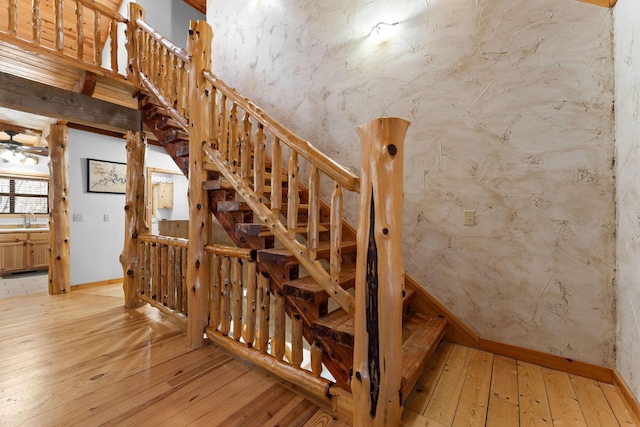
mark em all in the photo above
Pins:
pixel 59 24
pixel 59 247
pixel 199 48
pixel 134 51
pixel 377 355
pixel 135 215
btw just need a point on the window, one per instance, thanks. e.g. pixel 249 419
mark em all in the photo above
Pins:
pixel 21 195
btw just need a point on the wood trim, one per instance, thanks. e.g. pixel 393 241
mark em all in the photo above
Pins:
pixel 96 284
pixel 199 5
pixel 603 3
pixel 547 360
pixel 627 396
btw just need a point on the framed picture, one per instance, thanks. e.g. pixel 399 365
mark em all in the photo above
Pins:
pixel 106 177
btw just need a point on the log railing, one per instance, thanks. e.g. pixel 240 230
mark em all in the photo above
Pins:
pixel 158 65
pixel 75 30
pixel 252 151
pixel 248 319
pixel 162 280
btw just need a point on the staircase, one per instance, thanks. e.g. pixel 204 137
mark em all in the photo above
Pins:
pixel 254 187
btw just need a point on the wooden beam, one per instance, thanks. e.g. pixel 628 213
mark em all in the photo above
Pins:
pixel 36 98
pixel 604 3
pixel 135 217
pixel 199 45
pixel 86 84
pixel 377 354
pixel 199 5
pixel 59 246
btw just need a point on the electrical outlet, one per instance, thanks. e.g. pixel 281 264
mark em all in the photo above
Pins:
pixel 469 217
pixel 105 217
pixel 78 217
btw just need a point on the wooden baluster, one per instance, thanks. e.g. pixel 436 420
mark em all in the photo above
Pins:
pixel 264 284
pixel 114 45
pixel 225 310
pixel 250 331
pixel 155 277
pixel 165 73
pixel 237 299
pixel 36 23
pixel 292 195
pixel 143 283
pixel 279 334
pixel 276 174
pixel 216 118
pixel 233 140
pixel 178 278
pixel 171 282
pixel 377 354
pixel 134 44
pixel 316 359
pixel 164 272
pixel 214 299
pixel 335 257
pixel 97 38
pixel 313 234
pixel 296 340
pixel 185 293
pixel 59 22
pixel 258 162
pixel 80 31
pixel 245 149
pixel 13 17
pixel 224 131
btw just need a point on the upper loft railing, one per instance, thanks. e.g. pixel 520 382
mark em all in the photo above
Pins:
pixel 75 35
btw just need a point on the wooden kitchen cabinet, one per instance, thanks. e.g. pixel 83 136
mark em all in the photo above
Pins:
pixel 22 251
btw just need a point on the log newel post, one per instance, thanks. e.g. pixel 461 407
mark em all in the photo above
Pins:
pixel 59 245
pixel 135 218
pixel 133 49
pixel 377 363
pixel 199 48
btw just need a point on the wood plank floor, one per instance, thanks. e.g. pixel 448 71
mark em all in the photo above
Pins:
pixel 466 387
pixel 82 359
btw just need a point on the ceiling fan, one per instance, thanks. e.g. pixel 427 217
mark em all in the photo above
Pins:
pixel 17 147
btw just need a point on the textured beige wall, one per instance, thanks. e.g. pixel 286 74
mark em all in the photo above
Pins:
pixel 627 64
pixel 511 109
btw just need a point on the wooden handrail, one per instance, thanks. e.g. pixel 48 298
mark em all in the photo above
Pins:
pixel 177 51
pixel 94 5
pixel 343 176
pixel 231 251
pixel 164 240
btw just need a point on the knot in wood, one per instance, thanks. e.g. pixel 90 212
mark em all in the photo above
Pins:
pixel 198 264
pixel 130 272
pixel 199 206
pixel 126 208
pixel 392 149
pixel 358 376
pixel 385 231
pixel 58 257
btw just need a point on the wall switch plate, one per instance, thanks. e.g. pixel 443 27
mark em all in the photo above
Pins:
pixel 469 217
pixel 105 217
pixel 78 217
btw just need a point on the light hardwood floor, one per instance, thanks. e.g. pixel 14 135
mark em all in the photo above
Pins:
pixel 82 359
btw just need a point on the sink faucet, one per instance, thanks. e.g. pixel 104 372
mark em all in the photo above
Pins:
pixel 27 221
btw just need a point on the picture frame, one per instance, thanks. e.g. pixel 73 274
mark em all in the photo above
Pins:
pixel 106 177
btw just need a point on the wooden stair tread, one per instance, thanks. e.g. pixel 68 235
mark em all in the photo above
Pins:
pixel 424 335
pixel 257 229
pixel 339 326
pixel 308 290
pixel 283 257
pixel 237 206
